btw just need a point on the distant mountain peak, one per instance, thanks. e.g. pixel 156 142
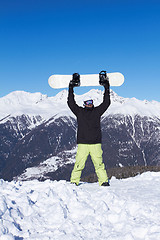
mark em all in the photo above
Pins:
pixel 33 104
pixel 23 98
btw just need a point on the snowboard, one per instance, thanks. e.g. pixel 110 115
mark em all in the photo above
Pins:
pixel 62 81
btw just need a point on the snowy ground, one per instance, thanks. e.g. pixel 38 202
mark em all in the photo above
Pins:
pixel 127 210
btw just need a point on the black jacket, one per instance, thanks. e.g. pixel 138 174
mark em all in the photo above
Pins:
pixel 89 128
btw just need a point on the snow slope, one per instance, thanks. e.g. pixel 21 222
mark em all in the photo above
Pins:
pixel 49 165
pixel 127 210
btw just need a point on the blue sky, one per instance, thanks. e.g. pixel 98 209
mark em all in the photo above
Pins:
pixel 40 38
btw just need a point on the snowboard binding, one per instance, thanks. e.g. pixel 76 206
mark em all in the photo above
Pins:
pixel 103 79
pixel 75 82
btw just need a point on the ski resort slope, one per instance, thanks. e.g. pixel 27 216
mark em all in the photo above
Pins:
pixel 127 210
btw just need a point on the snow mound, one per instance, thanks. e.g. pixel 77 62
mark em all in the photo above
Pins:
pixel 127 210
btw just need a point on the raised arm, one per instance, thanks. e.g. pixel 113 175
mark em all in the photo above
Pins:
pixel 106 98
pixel 71 101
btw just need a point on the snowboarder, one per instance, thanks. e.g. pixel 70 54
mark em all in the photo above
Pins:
pixel 89 134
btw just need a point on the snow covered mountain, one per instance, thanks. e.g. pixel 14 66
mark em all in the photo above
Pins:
pixel 38 134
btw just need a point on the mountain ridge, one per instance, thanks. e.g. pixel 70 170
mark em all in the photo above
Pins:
pixel 35 130
pixel 20 102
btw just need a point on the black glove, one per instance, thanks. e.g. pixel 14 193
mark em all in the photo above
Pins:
pixel 106 83
pixel 75 82
pixel 71 84
pixel 103 79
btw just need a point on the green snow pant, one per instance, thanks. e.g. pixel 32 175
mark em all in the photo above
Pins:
pixel 83 151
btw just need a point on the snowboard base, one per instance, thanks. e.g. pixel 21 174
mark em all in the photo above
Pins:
pixel 86 80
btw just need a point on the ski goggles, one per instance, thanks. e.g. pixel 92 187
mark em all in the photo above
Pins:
pixel 88 102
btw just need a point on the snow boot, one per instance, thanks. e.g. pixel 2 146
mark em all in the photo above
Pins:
pixel 105 184
pixel 75 183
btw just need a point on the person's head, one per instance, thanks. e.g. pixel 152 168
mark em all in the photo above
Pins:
pixel 88 103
